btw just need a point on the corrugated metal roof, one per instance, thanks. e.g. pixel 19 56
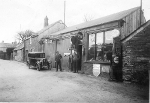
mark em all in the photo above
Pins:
pixel 7 45
pixel 100 21
pixel 20 46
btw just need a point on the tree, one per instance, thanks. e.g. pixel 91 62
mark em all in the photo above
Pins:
pixel 88 17
pixel 22 35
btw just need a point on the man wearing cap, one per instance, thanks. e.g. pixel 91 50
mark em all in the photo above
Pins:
pixel 58 61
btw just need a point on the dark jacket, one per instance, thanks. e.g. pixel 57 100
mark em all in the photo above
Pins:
pixel 76 56
pixel 58 57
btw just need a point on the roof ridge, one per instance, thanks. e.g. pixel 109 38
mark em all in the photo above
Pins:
pixel 49 26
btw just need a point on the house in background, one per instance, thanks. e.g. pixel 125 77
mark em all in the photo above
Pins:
pixel 18 52
pixel 49 46
pixel 36 43
pixel 6 50
pixel 32 45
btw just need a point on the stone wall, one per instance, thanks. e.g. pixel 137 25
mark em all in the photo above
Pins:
pixel 136 57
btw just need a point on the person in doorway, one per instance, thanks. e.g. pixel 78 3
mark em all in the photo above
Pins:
pixel 116 68
pixel 58 61
pixel 75 60
pixel 71 62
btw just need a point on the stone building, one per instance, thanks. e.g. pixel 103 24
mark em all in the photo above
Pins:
pixel 6 50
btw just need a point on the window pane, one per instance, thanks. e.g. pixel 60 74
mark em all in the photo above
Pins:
pixel 99 38
pixel 109 35
pixel 99 42
pixel 107 48
pixel 91 40
pixel 91 50
pixel 102 51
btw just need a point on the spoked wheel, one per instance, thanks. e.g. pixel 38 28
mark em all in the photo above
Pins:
pixel 38 67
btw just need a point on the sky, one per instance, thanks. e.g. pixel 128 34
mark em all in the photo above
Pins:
pixel 21 15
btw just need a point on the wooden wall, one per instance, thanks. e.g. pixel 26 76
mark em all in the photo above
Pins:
pixel 132 22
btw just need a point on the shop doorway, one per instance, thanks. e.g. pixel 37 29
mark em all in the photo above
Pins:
pixel 80 54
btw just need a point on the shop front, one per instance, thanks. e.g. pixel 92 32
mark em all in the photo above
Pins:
pixel 99 48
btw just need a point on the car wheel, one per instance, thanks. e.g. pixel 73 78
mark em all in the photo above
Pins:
pixel 38 67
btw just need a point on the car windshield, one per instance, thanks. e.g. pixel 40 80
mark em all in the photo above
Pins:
pixel 36 55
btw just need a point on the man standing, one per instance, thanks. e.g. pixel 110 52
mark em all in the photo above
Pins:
pixel 116 66
pixel 58 61
pixel 75 60
pixel 71 62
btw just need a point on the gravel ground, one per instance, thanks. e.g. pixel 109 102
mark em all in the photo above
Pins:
pixel 20 84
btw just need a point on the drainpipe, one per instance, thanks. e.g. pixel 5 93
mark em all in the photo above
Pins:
pixel 95 54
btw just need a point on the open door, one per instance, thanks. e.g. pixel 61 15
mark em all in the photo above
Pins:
pixel 80 54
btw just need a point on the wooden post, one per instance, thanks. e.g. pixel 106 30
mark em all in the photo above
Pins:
pixel 95 50
pixel 103 44
pixel 86 43
pixel 64 11
pixel 104 37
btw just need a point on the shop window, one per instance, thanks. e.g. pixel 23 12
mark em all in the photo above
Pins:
pixel 91 47
pixel 100 45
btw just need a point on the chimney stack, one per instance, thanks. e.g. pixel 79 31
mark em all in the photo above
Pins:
pixel 45 21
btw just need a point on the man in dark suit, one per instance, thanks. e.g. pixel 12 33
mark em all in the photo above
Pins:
pixel 116 66
pixel 58 61
pixel 75 60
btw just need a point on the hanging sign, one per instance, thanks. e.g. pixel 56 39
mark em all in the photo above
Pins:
pixel 96 69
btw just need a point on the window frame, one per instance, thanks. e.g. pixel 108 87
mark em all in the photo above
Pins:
pixel 103 43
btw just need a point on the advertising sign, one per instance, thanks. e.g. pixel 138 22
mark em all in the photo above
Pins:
pixel 96 69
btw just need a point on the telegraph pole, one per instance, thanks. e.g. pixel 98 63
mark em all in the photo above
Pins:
pixel 64 11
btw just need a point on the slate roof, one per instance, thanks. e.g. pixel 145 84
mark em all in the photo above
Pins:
pixel 50 29
pixel 100 21
pixel 7 45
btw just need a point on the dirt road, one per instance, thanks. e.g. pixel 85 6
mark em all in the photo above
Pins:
pixel 20 84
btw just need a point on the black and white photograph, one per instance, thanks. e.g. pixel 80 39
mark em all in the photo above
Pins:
pixel 75 51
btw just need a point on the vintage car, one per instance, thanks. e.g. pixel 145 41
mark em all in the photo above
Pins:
pixel 38 60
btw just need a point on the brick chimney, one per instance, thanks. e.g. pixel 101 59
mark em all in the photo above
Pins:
pixel 45 21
